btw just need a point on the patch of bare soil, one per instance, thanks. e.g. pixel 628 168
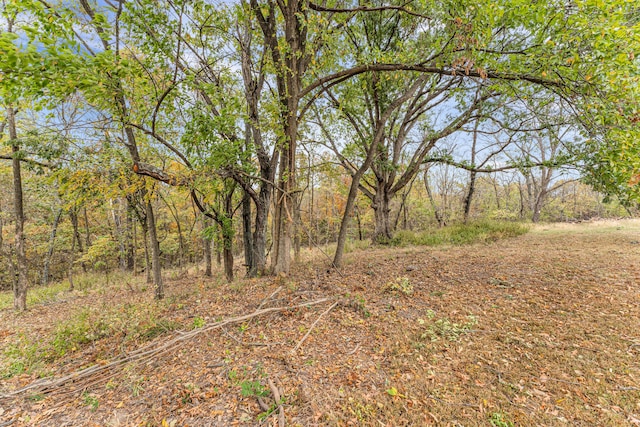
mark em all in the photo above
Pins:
pixel 542 329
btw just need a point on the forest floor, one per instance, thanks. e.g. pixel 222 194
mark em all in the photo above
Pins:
pixel 541 329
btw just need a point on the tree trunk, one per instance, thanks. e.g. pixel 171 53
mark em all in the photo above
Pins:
pixel 227 237
pixel 297 229
pixel 52 241
pixel 522 204
pixel 382 232
pixel 311 209
pixel 283 218
pixel 253 88
pixel 543 190
pixel 2 254
pixel 129 238
pixel 351 200
pixel 466 204
pixel 497 193
pixel 71 260
pixel 134 229
pixel 402 211
pixel 155 252
pixel 291 62
pixel 469 196
pixel 530 191
pixel 86 228
pixel 206 245
pixel 227 254
pixel 357 212
pixel 344 225
pixel 260 231
pixel 535 215
pixel 147 257
pixel 181 244
pixel 117 231
pixel 73 215
pixel 20 288
pixel 247 235
pixel 539 203
pixel 436 209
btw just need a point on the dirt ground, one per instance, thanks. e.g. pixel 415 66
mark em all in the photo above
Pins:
pixel 542 329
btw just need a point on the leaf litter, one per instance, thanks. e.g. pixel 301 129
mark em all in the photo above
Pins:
pixel 554 341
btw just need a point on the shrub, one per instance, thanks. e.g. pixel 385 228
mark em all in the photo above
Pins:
pixel 461 234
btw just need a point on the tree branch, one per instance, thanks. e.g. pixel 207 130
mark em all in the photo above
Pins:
pixel 472 168
pixel 319 8
pixel 28 161
pixel 457 71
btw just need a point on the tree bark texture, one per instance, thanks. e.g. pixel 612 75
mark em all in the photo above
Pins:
pixel 291 64
pixel 52 242
pixel 381 213
pixel 260 231
pixel 20 288
pixel 247 235
pixel 155 252
pixel 206 244
pixel 227 237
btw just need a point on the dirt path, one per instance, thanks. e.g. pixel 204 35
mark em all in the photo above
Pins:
pixel 542 329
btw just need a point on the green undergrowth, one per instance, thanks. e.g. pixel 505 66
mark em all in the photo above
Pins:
pixel 83 283
pixel 460 234
pixel 443 328
pixel 131 323
pixel 39 295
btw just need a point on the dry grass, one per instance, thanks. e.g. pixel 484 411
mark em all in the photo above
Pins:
pixel 553 341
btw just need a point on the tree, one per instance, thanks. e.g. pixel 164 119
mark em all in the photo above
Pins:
pixel 100 87
pixel 9 96
pixel 219 106
pixel 20 290
pixel 545 150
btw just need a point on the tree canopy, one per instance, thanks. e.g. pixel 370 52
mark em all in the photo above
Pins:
pixel 221 101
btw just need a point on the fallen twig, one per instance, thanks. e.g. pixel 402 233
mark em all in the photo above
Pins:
pixel 276 397
pixel 248 344
pixel 263 405
pixel 264 301
pixel 145 353
pixel 313 325
pixel 354 350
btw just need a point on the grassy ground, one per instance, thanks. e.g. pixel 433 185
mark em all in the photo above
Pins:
pixel 539 329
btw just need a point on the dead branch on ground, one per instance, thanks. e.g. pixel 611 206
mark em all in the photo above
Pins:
pixel 313 325
pixel 88 375
pixel 278 400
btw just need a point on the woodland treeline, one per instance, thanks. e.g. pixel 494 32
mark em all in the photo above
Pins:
pixel 149 134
